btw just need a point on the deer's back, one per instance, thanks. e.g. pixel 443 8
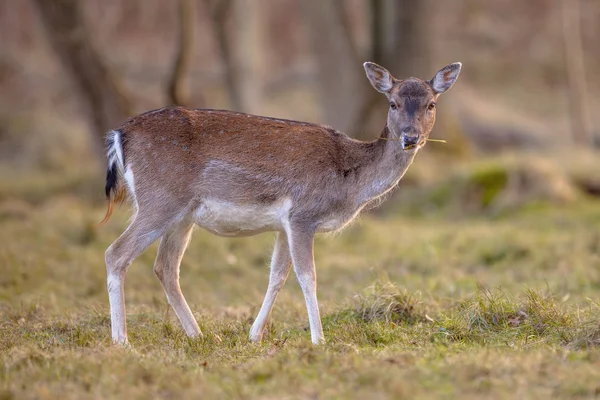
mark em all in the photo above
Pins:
pixel 239 158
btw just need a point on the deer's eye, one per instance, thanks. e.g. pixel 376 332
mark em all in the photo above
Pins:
pixel 393 106
pixel 431 106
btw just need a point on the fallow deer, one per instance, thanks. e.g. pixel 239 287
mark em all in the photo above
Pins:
pixel 236 174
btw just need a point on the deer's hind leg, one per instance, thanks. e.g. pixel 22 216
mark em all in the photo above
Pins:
pixel 141 233
pixel 166 267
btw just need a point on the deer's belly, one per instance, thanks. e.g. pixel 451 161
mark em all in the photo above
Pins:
pixel 337 221
pixel 230 219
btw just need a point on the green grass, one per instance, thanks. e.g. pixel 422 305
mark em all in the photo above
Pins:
pixel 426 306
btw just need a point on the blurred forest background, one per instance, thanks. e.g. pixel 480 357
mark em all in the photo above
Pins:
pixel 71 70
pixel 480 278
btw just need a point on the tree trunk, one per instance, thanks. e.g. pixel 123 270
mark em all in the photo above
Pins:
pixel 399 42
pixel 177 90
pixel 103 99
pixel 341 82
pixel 407 38
pixel 248 57
pixel 581 126
pixel 219 11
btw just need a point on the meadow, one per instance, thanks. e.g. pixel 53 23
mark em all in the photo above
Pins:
pixel 454 288
pixel 478 278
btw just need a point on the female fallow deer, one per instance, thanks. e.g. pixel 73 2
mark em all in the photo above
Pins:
pixel 236 174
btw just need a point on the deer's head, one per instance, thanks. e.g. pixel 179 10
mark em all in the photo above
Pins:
pixel 412 102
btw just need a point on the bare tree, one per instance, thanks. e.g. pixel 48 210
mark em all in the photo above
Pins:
pixel 341 80
pixel 247 39
pixel 400 41
pixel 102 95
pixel 177 90
pixel 219 11
pixel 581 126
pixel 406 36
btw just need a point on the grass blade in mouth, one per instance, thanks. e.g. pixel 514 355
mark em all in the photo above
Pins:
pixel 429 140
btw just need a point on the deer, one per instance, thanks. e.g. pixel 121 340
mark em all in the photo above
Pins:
pixel 237 174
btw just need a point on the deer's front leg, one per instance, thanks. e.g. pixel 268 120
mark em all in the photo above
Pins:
pixel 301 249
pixel 280 268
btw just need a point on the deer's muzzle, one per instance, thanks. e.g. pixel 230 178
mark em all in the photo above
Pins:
pixel 410 138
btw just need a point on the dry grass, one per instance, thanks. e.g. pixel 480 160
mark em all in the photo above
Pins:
pixel 414 306
pixel 384 302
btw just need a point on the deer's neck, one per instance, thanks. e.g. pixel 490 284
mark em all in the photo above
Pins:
pixel 387 164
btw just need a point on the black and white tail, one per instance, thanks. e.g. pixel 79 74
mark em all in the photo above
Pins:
pixel 114 154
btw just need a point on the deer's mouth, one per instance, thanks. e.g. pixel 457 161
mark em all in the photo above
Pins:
pixel 413 145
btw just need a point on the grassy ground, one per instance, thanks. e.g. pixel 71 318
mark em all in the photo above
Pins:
pixel 503 305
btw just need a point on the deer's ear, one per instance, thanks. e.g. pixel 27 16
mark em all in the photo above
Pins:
pixel 445 78
pixel 380 78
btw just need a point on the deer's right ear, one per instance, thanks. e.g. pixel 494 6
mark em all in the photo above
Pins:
pixel 380 78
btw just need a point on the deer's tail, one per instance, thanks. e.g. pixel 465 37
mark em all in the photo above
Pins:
pixel 115 191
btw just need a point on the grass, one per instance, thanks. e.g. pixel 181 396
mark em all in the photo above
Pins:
pixel 414 306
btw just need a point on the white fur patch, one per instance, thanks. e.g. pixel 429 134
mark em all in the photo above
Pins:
pixel 128 176
pixel 117 317
pixel 229 219
pixel 338 221
pixel 114 153
pixel 113 283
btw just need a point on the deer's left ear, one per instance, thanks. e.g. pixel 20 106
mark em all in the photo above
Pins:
pixel 445 78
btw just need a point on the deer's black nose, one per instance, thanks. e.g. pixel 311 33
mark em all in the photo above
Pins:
pixel 410 137
pixel 411 140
